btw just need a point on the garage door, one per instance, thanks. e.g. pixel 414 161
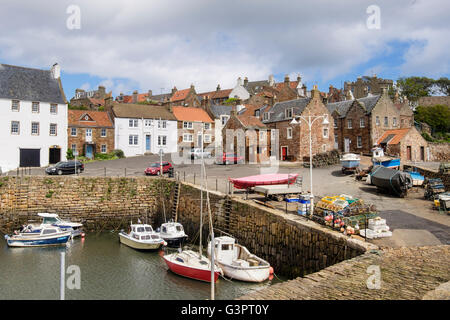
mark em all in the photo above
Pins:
pixel 30 157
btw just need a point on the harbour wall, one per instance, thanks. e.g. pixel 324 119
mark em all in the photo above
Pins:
pixel 293 245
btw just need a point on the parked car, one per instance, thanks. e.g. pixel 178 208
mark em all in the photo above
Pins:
pixel 65 167
pixel 196 153
pixel 229 158
pixel 154 168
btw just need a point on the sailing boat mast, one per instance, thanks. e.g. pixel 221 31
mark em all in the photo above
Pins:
pixel 201 199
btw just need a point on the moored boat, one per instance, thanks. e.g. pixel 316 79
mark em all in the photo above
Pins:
pixel 191 264
pixel 142 237
pixel 417 178
pixel 264 179
pixel 173 233
pixel 53 219
pixel 379 159
pixel 238 263
pixel 47 236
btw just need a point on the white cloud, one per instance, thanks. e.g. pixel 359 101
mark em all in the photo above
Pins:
pixel 160 44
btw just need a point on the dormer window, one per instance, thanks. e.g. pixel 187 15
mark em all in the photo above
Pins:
pixel 224 119
pixel 257 113
pixel 265 116
pixel 289 113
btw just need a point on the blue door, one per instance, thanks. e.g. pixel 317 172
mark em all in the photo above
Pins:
pixel 147 142
pixel 89 151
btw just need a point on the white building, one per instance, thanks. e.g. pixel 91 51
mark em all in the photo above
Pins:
pixel 33 117
pixel 141 129
pixel 239 91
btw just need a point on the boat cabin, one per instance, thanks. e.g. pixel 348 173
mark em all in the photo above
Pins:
pixel 172 228
pixel 49 218
pixel 377 152
pixel 143 232
pixel 225 249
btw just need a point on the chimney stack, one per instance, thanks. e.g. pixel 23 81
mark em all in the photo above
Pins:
pixel 245 81
pixel 218 87
pixel 271 81
pixel 56 71
pixel 286 80
pixel 174 90
pixel 135 96
pixel 239 81
pixel 150 94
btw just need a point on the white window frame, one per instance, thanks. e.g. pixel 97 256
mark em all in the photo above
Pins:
pixel 134 140
pixel 13 132
pixel 187 125
pixel 103 130
pixel 33 105
pixel 349 123
pixel 74 147
pixel 162 141
pixel 133 123
pixel 53 125
pixel 265 116
pixel 394 121
pixel 207 138
pixel 386 121
pixel 289 133
pixel 38 128
pixel 362 123
pixel 359 141
pixel 148 123
pixel 15 105
pixel 187 135
pixel 207 126
pixel 53 108
pixel 288 113
pixel 103 148
pixel 222 118
pixel 377 120
pixel 72 130
pixel 335 123
pixel 325 130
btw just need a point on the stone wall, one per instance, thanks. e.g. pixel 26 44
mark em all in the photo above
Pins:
pixel 431 174
pixel 323 159
pixel 439 151
pixel 293 245
pixel 101 203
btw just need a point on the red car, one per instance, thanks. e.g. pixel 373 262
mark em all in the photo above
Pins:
pixel 154 168
pixel 229 158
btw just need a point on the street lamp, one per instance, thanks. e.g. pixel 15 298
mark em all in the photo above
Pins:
pixel 310 120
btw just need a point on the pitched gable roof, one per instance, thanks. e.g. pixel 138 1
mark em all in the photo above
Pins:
pixel 218 110
pixel 251 122
pixel 342 107
pixel 30 85
pixel 180 95
pixel 96 119
pixel 191 114
pixel 393 136
pixel 279 109
pixel 142 111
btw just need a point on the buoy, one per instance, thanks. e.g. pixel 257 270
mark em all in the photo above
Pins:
pixel 83 234
pixel 270 270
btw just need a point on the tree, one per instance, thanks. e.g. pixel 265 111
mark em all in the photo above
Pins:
pixel 443 86
pixel 415 87
pixel 437 117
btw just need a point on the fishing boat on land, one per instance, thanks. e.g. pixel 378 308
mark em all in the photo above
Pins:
pixel 417 178
pixel 264 179
pixel 142 237
pixel 47 236
pixel 237 262
pixel 350 162
pixel 173 233
pixel 380 159
pixel 52 219
pixel 391 180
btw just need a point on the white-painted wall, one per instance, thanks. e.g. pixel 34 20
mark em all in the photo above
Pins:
pixel 11 144
pixel 123 131
pixel 240 92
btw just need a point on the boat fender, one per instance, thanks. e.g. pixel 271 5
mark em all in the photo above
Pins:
pixel 270 270
pixel 83 234
pixel 164 243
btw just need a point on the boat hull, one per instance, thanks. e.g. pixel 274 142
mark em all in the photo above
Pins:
pixel 190 272
pixel 350 164
pixel 139 245
pixel 393 163
pixel 36 242
pixel 263 180
pixel 250 274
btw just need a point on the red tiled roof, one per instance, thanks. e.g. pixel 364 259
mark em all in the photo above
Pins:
pixel 97 101
pixel 180 95
pixel 265 93
pixel 218 94
pixel 251 121
pixel 129 99
pixel 292 84
pixel 398 135
pixel 191 114
pixel 249 110
pixel 100 118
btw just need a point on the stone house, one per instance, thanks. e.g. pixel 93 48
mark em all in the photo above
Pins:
pixel 365 85
pixel 246 136
pixel 360 122
pixel 293 139
pixel 406 143
pixel 216 97
pixel 191 122
pixel 185 97
pixel 33 117
pixel 90 132
pixel 220 114
pixel 93 100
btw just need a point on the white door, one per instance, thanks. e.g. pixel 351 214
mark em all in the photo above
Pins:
pixel 346 145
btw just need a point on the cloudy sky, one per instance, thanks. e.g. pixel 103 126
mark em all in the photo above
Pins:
pixel 142 44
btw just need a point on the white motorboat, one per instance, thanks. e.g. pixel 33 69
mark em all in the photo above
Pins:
pixel 173 233
pixel 238 263
pixel 142 237
pixel 47 236
pixel 53 219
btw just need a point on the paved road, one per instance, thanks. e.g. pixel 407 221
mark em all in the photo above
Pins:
pixel 413 214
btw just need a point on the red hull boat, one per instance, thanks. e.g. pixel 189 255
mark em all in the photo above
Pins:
pixel 188 264
pixel 264 179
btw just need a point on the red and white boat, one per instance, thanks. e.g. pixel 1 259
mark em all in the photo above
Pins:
pixel 264 179
pixel 191 264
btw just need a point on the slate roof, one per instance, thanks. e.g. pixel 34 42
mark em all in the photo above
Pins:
pixel 218 110
pixel 342 107
pixel 30 85
pixel 278 111
pixel 138 111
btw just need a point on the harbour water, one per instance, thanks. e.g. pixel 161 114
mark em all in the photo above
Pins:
pixel 109 270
